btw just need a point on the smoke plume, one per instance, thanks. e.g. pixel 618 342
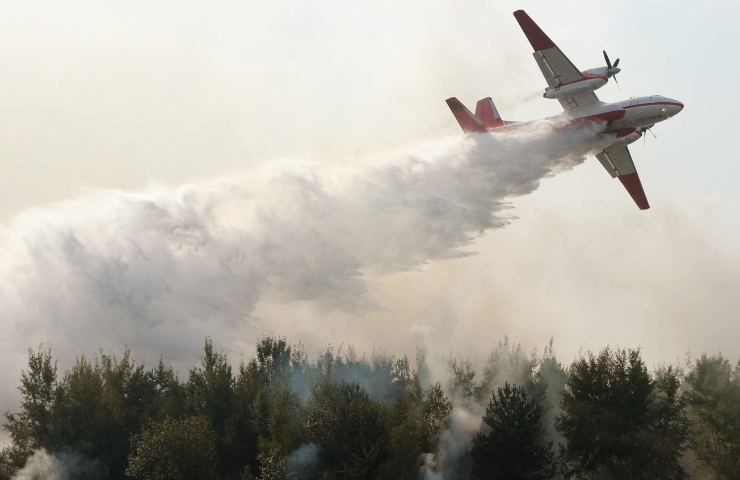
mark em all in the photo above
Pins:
pixel 303 463
pixel 43 465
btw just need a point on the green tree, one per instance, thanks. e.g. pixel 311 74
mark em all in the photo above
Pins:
pixel 241 427
pixel 6 467
pixel 99 405
pixel 274 357
pixel 93 410
pixel 714 412
pixel 349 429
pixel 81 418
pixel 285 423
pixel 128 401
pixel 174 450
pixel 405 422
pixel 405 450
pixel 210 387
pixel 463 380
pixel 32 427
pixel 435 414
pixel 272 466
pixel 617 423
pixel 668 424
pixel 214 393
pixel 170 394
pixel 548 384
pixel 511 443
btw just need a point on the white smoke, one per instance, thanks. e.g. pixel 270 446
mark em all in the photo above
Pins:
pixel 507 363
pixel 159 270
pixel 303 462
pixel 43 465
pixel 451 459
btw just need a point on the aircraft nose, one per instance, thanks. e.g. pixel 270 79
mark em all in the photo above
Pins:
pixel 673 108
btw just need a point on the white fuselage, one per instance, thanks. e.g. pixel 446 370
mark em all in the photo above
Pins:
pixel 627 118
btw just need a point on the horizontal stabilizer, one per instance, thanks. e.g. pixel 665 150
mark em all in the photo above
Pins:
pixel 469 122
pixel 487 112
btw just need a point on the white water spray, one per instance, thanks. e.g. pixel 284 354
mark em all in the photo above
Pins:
pixel 159 270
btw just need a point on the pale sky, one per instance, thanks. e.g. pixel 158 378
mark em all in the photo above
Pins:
pixel 100 94
pixel 115 94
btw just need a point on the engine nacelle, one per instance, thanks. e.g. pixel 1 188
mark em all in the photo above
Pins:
pixel 585 85
pixel 625 136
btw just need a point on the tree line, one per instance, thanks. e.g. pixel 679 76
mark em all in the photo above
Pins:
pixel 280 416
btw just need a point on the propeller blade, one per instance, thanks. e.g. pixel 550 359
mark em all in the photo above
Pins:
pixel 647 129
pixel 606 57
pixel 615 81
pixel 616 62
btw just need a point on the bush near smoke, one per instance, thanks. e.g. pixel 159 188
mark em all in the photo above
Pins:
pixel 344 415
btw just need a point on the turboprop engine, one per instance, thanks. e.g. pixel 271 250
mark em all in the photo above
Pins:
pixel 625 136
pixel 585 85
pixel 593 79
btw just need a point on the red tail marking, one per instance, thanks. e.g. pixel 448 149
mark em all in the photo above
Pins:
pixel 488 114
pixel 466 119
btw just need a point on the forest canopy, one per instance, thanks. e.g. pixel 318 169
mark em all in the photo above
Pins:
pixel 282 416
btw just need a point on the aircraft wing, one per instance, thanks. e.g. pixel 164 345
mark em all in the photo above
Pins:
pixel 555 66
pixel 618 162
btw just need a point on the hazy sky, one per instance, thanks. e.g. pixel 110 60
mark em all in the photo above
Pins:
pixel 100 94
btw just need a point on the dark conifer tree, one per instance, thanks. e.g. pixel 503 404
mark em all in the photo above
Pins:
pixel 511 444
pixel 618 422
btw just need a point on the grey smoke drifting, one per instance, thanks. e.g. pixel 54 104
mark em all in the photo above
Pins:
pixel 43 465
pixel 303 462
pixel 507 363
pixel 158 270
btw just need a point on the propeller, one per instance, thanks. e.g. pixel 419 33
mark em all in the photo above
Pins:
pixel 647 129
pixel 612 70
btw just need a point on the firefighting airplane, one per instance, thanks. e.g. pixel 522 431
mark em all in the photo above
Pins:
pixel 627 120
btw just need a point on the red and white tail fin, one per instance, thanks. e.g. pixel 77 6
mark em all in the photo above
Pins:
pixel 469 122
pixel 488 114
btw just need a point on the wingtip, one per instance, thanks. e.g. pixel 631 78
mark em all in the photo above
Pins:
pixel 537 38
pixel 631 182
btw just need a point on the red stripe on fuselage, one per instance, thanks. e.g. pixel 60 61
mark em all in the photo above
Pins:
pixel 653 103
